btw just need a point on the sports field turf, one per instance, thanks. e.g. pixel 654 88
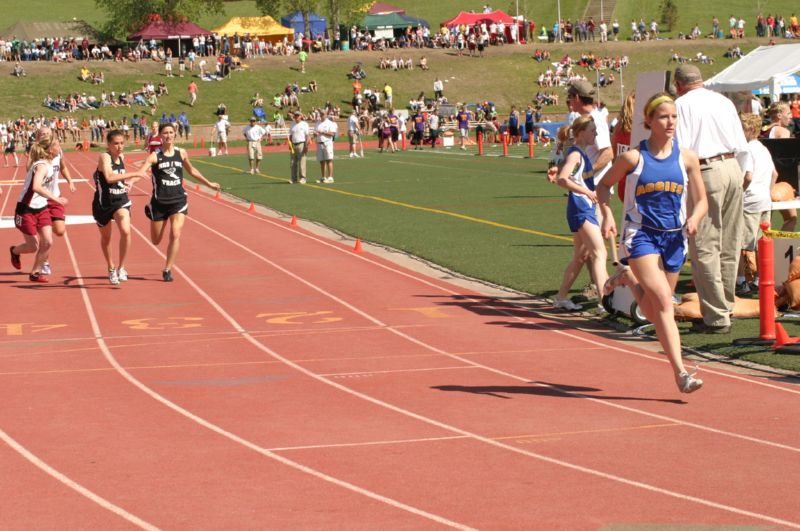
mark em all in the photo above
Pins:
pixel 492 218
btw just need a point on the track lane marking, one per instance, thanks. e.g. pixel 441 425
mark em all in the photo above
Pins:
pixel 475 436
pixel 217 429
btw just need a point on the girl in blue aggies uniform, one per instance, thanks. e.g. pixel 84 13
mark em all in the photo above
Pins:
pixel 656 226
pixel 169 203
pixel 576 175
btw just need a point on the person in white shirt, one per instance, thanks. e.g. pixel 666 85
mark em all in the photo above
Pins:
pixel 708 124
pixel 254 133
pixel 353 133
pixel 326 132
pixel 759 178
pixel 221 128
pixel 298 145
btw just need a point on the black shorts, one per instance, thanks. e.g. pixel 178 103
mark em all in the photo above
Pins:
pixel 103 215
pixel 156 211
pixel 417 138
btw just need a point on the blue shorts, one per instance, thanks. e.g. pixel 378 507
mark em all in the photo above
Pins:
pixel 577 220
pixel 670 246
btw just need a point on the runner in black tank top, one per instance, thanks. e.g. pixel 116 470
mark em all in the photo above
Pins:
pixel 111 202
pixel 169 198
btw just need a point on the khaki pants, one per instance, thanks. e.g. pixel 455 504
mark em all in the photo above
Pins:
pixel 716 247
pixel 299 162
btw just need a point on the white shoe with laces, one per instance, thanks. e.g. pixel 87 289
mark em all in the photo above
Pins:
pixel 112 277
pixel 566 304
pixel 328 180
pixel 122 274
pixel 46 269
pixel 687 383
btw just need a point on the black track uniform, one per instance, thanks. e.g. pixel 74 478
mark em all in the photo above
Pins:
pixel 109 197
pixel 169 197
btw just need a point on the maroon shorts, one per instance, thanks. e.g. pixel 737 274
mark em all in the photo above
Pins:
pixel 29 221
pixel 56 210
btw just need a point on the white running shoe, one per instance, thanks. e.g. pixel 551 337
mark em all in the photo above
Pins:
pixel 352 155
pixel 46 269
pixel 328 180
pixel 566 304
pixel 687 383
pixel 122 274
pixel 112 277
pixel 302 180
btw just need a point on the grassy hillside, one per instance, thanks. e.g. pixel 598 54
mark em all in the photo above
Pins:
pixel 505 76
pixel 689 11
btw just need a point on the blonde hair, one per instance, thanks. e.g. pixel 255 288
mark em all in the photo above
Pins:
pixel 581 123
pixel 563 133
pixel 776 108
pixel 751 124
pixel 654 102
pixel 626 113
pixel 40 150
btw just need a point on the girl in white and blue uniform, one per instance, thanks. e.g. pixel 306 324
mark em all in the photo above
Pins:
pixel 655 208
pixel 577 177
pixel 662 180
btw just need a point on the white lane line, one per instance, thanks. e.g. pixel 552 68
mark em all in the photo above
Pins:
pixel 102 502
pixel 368 443
pixel 437 350
pixel 394 371
pixel 284 226
pixel 217 429
pixel 443 425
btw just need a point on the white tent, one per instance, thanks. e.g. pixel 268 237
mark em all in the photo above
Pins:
pixel 764 67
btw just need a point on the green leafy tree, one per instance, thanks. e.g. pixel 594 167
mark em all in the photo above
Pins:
pixel 669 14
pixel 276 8
pixel 346 12
pixel 128 16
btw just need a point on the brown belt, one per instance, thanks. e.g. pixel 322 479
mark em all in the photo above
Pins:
pixel 715 158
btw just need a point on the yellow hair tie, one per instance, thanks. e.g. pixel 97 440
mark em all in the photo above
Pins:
pixel 656 102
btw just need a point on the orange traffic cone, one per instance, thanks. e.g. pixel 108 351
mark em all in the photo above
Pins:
pixel 202 143
pixel 194 144
pixel 197 188
pixel 782 337
pixel 358 248
pixel 293 222
pixel 252 207
pixel 218 196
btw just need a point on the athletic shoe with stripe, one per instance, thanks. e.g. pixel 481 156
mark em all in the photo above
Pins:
pixel 46 270
pixel 38 277
pixel 113 279
pixel 122 274
pixel 166 275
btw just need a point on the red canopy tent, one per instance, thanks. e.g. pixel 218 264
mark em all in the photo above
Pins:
pixel 161 30
pixel 470 19
pixel 379 8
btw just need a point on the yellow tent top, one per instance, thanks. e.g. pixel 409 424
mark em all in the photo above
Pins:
pixel 256 26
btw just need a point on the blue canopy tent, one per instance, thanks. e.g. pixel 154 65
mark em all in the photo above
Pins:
pixel 317 24
pixel 787 85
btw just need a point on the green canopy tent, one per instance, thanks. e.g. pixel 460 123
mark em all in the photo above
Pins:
pixel 392 21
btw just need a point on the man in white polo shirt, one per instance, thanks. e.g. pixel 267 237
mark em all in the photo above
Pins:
pixel 254 133
pixel 298 138
pixel 709 125
pixel 326 132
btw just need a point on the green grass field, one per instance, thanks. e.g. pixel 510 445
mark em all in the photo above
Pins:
pixel 491 218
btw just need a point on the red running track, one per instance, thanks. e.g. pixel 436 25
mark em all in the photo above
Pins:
pixel 284 381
